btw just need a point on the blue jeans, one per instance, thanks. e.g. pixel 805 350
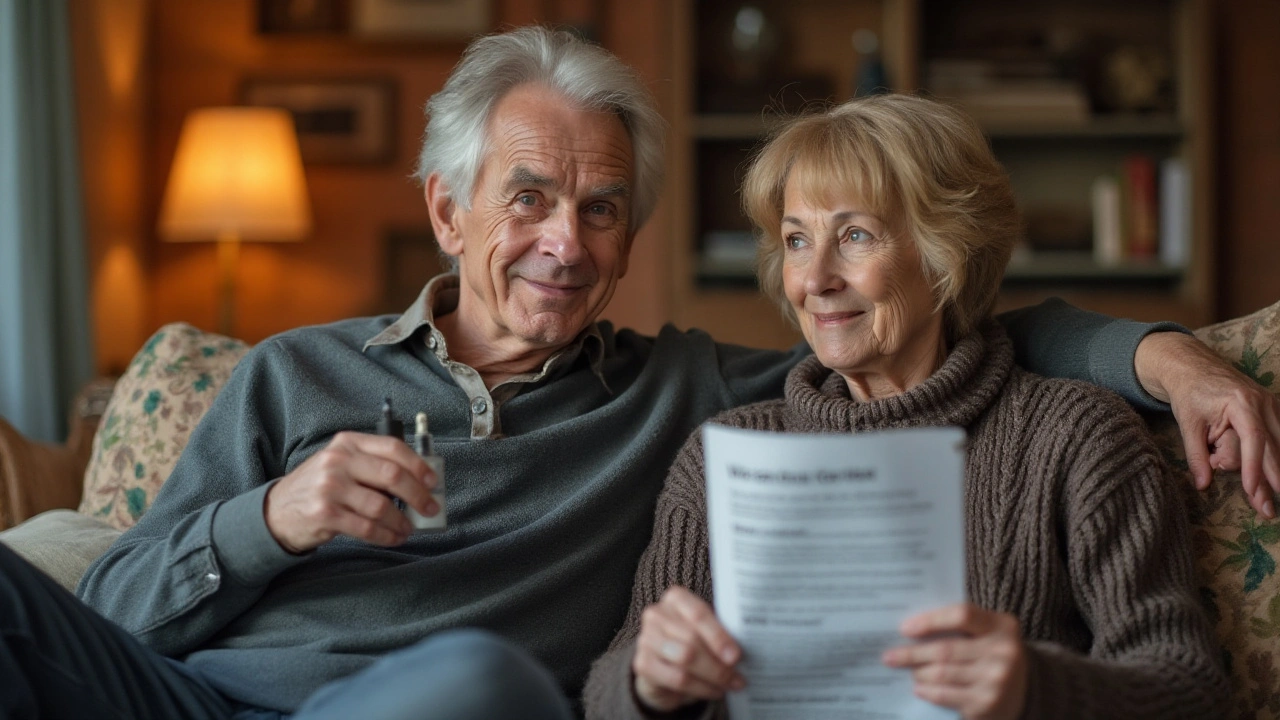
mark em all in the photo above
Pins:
pixel 60 659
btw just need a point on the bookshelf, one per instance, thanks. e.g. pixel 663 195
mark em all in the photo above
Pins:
pixel 1054 156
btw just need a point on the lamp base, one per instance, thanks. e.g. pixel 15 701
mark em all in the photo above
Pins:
pixel 228 258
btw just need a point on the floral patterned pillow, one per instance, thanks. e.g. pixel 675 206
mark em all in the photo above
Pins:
pixel 1236 548
pixel 156 404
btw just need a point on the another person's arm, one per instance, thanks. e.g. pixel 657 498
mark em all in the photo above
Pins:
pixel 1227 421
pixel 671 635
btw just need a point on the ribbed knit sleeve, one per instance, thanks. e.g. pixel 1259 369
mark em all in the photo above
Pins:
pixel 1152 654
pixel 678 554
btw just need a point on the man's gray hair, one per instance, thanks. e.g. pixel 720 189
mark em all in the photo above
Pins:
pixel 588 76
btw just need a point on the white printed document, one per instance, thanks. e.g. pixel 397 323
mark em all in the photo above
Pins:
pixel 821 545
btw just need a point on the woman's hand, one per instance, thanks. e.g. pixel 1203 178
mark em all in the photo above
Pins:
pixel 683 654
pixel 980 670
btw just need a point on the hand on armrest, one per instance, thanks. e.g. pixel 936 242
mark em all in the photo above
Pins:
pixel 1228 422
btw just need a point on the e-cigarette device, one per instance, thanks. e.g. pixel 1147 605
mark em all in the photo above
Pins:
pixel 389 426
pixel 423 446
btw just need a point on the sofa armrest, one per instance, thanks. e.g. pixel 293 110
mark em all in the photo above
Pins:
pixel 36 476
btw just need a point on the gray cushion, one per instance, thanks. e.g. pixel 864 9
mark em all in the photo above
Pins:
pixel 62 543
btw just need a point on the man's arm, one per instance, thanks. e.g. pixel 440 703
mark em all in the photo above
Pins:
pixel 201 554
pixel 1227 421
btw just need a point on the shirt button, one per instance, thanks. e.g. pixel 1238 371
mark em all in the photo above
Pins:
pixel 431 341
pixel 211 577
pixel 479 406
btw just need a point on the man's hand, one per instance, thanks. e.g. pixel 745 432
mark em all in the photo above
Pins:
pixel 345 490
pixel 683 654
pixel 1228 421
pixel 980 670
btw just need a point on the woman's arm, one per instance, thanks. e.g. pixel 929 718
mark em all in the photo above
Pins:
pixel 677 555
pixel 1153 654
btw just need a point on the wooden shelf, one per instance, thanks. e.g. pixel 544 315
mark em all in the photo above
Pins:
pixel 1098 127
pixel 1078 267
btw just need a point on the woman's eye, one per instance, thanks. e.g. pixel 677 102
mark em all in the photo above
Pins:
pixel 857 235
pixel 793 242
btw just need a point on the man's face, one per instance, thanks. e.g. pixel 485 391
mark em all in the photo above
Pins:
pixel 546 239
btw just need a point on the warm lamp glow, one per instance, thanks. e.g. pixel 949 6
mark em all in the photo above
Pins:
pixel 237 176
pixel 237 173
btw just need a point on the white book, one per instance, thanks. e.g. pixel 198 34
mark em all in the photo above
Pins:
pixel 1175 213
pixel 1108 237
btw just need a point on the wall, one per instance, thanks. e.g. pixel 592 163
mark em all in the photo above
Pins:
pixel 110 49
pixel 1249 157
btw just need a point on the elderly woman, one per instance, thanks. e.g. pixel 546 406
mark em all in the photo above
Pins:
pixel 885 228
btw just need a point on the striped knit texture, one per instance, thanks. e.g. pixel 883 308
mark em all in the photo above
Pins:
pixel 1072 525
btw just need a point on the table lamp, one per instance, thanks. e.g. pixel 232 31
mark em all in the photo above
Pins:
pixel 237 175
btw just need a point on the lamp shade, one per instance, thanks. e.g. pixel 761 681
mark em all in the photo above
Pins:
pixel 237 173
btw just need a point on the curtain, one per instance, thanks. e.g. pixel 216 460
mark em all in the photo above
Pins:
pixel 45 346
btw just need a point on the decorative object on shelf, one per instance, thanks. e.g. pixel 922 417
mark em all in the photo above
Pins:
pixel 870 77
pixel 338 121
pixel 1136 79
pixel 420 19
pixel 236 175
pixel 302 17
pixel 742 52
pixel 753 44
pixel 412 258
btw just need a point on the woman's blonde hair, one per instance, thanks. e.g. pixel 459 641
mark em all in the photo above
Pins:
pixel 922 167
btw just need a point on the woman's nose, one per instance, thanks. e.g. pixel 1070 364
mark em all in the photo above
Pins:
pixel 824 272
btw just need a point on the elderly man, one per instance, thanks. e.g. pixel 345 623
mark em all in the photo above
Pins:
pixel 274 575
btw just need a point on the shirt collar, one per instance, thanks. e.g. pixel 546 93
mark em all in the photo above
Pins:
pixel 440 297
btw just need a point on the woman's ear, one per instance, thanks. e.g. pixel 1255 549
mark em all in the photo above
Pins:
pixel 444 212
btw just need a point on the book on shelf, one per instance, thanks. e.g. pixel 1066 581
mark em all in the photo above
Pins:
pixel 1175 213
pixel 1142 213
pixel 1010 93
pixel 1108 234
pixel 1139 173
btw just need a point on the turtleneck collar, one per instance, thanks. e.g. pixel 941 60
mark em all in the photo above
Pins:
pixel 956 394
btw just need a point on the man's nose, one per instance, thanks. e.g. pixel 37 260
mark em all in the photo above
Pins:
pixel 562 239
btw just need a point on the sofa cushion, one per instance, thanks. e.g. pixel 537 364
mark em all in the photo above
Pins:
pixel 156 404
pixel 1235 548
pixel 62 543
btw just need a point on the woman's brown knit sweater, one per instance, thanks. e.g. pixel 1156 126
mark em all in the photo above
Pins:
pixel 1071 525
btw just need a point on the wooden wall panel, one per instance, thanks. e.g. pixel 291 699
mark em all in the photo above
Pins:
pixel 1249 199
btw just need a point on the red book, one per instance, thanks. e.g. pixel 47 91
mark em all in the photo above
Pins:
pixel 1140 191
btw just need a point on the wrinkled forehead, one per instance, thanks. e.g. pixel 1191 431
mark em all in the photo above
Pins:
pixel 540 131
pixel 823 176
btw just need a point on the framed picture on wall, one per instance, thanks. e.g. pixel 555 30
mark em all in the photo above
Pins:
pixel 420 19
pixel 347 120
pixel 411 259
pixel 302 17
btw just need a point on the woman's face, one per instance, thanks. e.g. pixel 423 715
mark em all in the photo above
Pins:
pixel 859 293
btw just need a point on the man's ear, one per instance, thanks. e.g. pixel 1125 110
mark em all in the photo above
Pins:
pixel 444 215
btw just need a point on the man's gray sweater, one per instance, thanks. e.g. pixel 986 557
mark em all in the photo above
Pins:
pixel 546 521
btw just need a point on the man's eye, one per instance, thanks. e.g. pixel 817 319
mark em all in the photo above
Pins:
pixel 527 200
pixel 599 209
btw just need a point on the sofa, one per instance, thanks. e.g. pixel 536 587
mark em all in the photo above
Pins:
pixel 84 494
